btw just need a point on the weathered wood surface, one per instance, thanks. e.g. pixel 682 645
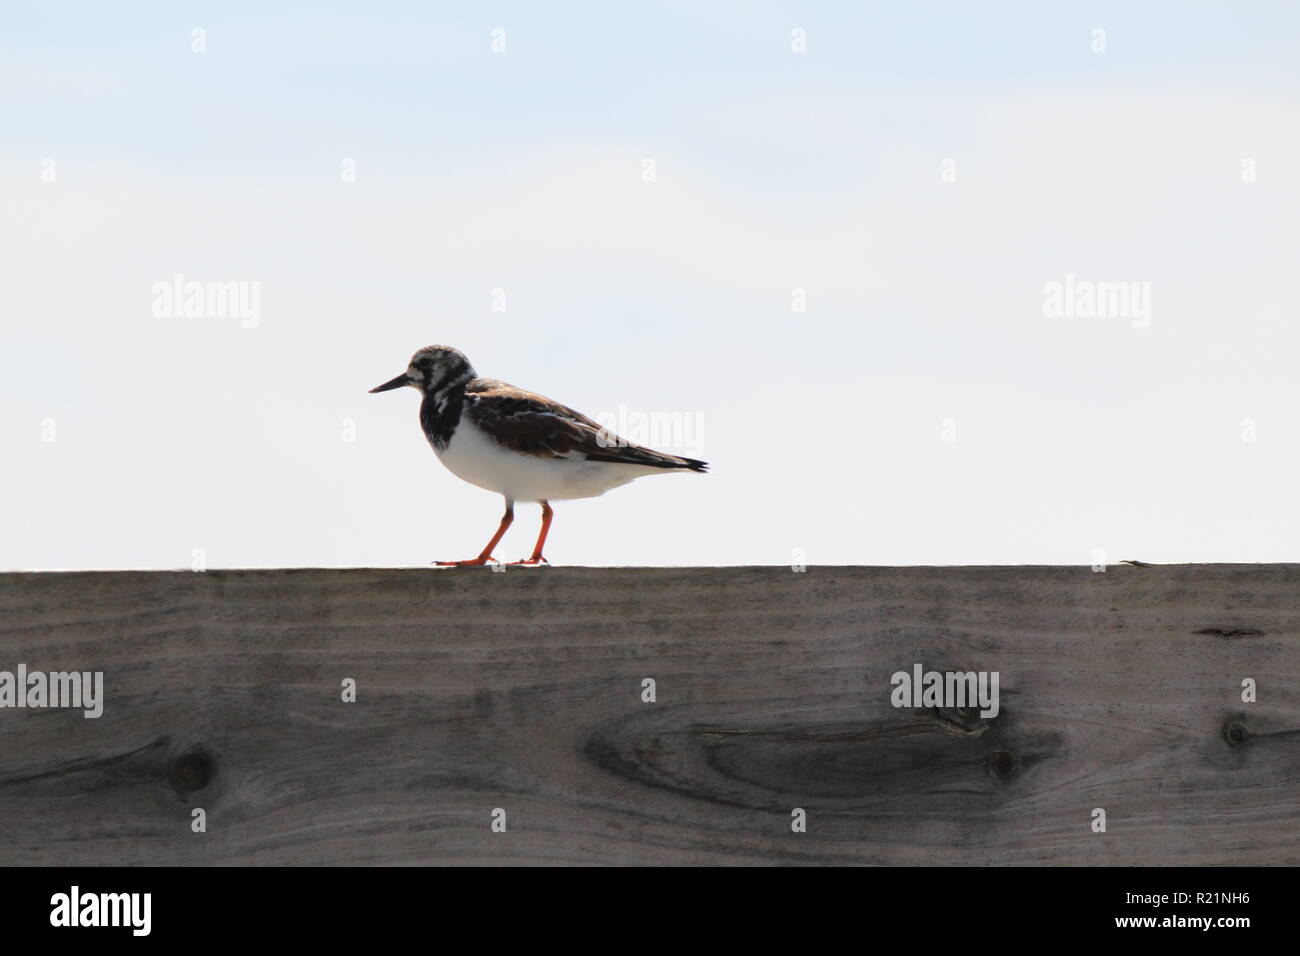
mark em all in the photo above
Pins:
pixel 522 691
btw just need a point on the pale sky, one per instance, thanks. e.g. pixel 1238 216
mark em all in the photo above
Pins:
pixel 915 178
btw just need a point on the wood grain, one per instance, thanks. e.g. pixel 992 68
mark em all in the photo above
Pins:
pixel 522 691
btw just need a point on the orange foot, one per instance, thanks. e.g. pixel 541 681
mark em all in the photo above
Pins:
pixel 469 563
pixel 531 562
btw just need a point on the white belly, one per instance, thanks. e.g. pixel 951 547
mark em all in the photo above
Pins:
pixel 476 458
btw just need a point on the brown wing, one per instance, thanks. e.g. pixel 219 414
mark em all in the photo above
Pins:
pixel 536 425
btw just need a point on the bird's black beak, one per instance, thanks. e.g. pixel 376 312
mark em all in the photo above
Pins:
pixel 389 386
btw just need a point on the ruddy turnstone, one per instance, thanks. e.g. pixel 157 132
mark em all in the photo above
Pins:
pixel 521 445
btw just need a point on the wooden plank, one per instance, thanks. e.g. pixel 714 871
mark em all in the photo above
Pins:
pixel 522 691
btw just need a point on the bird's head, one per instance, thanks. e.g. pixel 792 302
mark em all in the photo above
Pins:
pixel 432 369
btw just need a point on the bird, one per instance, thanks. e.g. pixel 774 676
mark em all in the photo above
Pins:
pixel 521 445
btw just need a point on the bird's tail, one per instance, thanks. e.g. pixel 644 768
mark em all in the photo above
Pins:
pixel 636 455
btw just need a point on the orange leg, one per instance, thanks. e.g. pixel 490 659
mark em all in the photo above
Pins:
pixel 537 558
pixel 486 556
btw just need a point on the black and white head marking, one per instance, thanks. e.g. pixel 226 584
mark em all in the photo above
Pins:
pixel 441 373
pixel 437 368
